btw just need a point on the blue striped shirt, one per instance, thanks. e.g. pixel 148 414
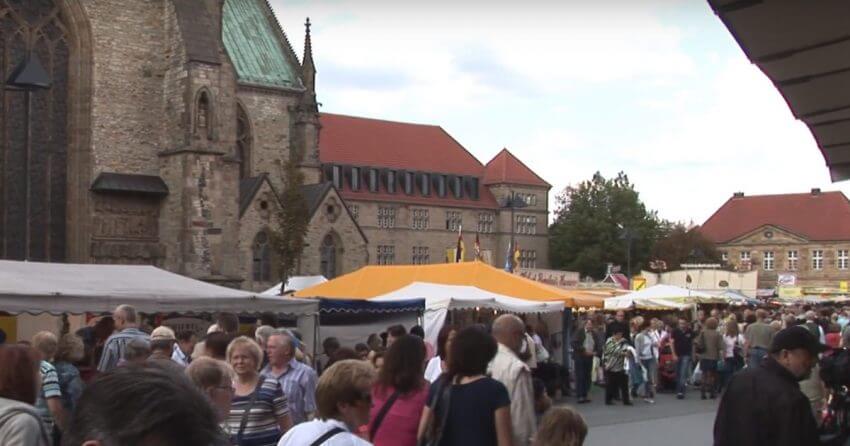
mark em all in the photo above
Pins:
pixel 113 350
pixel 261 428
pixel 299 385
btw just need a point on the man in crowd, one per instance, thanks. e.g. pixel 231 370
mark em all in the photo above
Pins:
pixel 261 335
pixel 507 368
pixel 763 404
pixel 683 352
pixel 297 380
pixel 143 406
pixel 394 332
pixel 162 347
pixel 126 330
pixel 329 347
pixel 584 348
pixel 183 348
pixel 757 339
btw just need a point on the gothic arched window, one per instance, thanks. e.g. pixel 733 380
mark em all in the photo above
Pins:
pixel 244 139
pixel 262 262
pixel 328 257
pixel 203 116
pixel 33 130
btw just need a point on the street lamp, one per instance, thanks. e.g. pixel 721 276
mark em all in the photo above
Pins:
pixel 28 76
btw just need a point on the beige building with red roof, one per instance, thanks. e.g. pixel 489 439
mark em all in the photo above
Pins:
pixel 411 187
pixel 800 237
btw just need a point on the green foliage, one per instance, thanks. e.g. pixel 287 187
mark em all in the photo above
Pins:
pixel 592 222
pixel 682 245
pixel 292 221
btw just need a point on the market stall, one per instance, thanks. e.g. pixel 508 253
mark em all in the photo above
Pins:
pixel 662 297
pixel 294 284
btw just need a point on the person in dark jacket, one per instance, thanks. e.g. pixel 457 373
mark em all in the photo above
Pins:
pixel 584 348
pixel 763 405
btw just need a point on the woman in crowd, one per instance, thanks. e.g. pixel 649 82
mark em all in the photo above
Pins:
pixel 342 403
pixel 438 364
pixel 647 349
pixel 399 394
pixel 614 362
pixel 70 351
pixel 20 424
pixel 733 348
pixel 561 426
pixel 258 413
pixel 214 379
pixel 710 349
pixel 465 406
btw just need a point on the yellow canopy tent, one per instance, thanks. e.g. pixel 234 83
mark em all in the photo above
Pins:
pixel 372 281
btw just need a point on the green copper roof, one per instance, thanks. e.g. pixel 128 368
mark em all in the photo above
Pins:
pixel 254 46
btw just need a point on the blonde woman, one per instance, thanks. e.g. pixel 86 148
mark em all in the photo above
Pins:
pixel 259 414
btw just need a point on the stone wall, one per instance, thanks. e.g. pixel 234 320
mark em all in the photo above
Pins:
pixel 352 251
pixel 268 111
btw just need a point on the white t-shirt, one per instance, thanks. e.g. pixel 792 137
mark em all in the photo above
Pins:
pixel 305 434
pixel 730 341
pixel 434 369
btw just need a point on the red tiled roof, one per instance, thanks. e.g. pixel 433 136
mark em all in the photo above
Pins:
pixel 396 145
pixel 506 168
pixel 818 217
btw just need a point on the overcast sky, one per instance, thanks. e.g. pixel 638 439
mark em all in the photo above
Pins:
pixel 656 88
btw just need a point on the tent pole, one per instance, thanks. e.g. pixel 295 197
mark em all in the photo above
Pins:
pixel 315 338
pixel 567 323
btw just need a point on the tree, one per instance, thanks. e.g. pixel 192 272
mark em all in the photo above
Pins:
pixel 292 221
pixel 592 225
pixel 682 245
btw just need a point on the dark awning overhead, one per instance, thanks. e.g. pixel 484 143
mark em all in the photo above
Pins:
pixel 804 48
pixel 130 183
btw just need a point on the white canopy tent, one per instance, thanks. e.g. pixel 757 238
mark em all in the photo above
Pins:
pixel 661 297
pixel 296 283
pixel 439 299
pixel 56 288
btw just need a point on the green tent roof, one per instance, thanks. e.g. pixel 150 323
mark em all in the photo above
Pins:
pixel 254 46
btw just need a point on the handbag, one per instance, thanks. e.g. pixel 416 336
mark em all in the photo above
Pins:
pixel 244 421
pixel 439 407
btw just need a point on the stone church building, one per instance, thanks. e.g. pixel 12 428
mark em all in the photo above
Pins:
pixel 155 131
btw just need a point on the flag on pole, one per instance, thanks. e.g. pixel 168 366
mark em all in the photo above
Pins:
pixel 516 256
pixel 477 248
pixel 459 251
pixel 509 267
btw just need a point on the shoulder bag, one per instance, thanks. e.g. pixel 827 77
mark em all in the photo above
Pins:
pixel 439 406
pixel 379 418
pixel 327 436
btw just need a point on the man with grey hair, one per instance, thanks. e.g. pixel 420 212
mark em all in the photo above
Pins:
pixel 297 380
pixel 126 330
pixel 508 369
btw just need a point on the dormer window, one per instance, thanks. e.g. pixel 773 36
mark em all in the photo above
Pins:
pixel 440 185
pixel 355 178
pixel 391 181
pixel 425 184
pixel 457 186
pixel 373 180
pixel 408 183
pixel 336 176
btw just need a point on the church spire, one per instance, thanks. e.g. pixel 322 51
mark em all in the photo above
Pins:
pixel 308 69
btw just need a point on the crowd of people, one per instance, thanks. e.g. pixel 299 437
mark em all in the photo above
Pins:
pixel 142 385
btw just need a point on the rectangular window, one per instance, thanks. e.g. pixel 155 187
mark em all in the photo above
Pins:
pixel 528 259
pixel 792 260
pixel 767 262
pixel 485 222
pixel 441 186
pixel 408 183
pixel 724 256
pixel 457 187
pixel 355 178
pixel 745 256
pixel 526 224
pixel 386 255
pixel 337 177
pixel 454 220
pixel 817 259
pixel 355 211
pixel 843 259
pixel 421 219
pixel 386 218
pixel 421 255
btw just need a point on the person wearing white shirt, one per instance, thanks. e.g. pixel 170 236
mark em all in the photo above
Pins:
pixel 647 347
pixel 182 353
pixel 343 400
